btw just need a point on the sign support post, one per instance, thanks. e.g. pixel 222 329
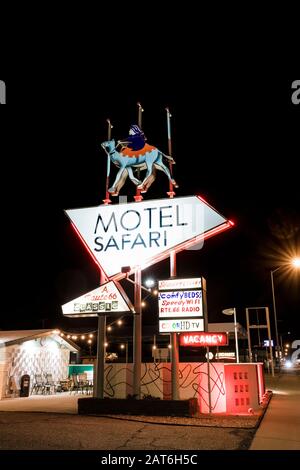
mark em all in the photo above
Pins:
pixel 137 334
pixel 171 192
pixel 138 197
pixel 173 273
pixel 100 364
pixel 100 361
pixel 107 199
pixel 208 379
pixel 174 342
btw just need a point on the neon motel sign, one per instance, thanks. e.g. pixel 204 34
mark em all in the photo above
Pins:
pixel 139 235
pixel 204 339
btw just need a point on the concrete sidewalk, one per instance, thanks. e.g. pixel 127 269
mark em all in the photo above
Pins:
pixel 62 403
pixel 280 427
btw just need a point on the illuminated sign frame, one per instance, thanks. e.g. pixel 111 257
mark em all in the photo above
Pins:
pixel 204 339
pixel 178 325
pixel 119 235
pixel 181 305
pixel 108 299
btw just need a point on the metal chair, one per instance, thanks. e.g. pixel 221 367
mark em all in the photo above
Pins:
pixel 49 384
pixel 38 385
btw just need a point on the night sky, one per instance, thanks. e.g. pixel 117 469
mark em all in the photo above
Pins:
pixel 235 142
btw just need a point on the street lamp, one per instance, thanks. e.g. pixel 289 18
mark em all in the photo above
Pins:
pixel 295 262
pixel 149 282
pixel 274 309
pixel 232 311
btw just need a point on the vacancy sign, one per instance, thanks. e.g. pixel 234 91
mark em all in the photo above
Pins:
pixel 204 339
pixel 107 299
pixel 144 233
pixel 181 324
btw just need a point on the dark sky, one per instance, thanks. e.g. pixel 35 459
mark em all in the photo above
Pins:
pixel 235 142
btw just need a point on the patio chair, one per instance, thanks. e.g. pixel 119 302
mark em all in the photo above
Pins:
pixel 49 384
pixel 38 385
pixel 83 382
pixel 75 385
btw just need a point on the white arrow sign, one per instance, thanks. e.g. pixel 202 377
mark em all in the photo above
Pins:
pixel 107 299
pixel 141 234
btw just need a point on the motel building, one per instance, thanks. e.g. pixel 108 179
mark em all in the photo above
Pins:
pixel 48 359
pixel 35 360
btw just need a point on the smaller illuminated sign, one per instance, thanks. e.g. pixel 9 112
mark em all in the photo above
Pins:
pixel 266 343
pixel 204 339
pixel 109 298
pixel 226 355
pixel 180 301
pixel 181 324
pixel 170 284
pixel 186 303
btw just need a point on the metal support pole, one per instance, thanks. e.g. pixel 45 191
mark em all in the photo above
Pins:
pixel 137 334
pixel 174 342
pixel 236 338
pixel 208 379
pixel 270 341
pixel 100 362
pixel 248 333
pixel 107 199
pixel 275 316
pixel 138 197
pixel 171 192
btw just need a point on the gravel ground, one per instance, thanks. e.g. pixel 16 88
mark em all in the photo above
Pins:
pixel 246 421
pixel 241 421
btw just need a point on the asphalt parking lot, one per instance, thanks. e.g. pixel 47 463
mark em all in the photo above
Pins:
pixel 45 431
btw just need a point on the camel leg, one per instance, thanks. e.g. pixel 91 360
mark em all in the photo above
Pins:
pixel 149 165
pixel 112 189
pixel 121 183
pixel 149 181
pixel 132 177
pixel 167 171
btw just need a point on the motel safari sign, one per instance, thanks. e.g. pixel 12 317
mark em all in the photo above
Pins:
pixel 144 233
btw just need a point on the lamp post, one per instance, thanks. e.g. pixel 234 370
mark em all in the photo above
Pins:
pixel 295 262
pixel 275 313
pixel 232 311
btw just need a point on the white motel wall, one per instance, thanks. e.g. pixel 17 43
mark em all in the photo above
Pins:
pixel 31 352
